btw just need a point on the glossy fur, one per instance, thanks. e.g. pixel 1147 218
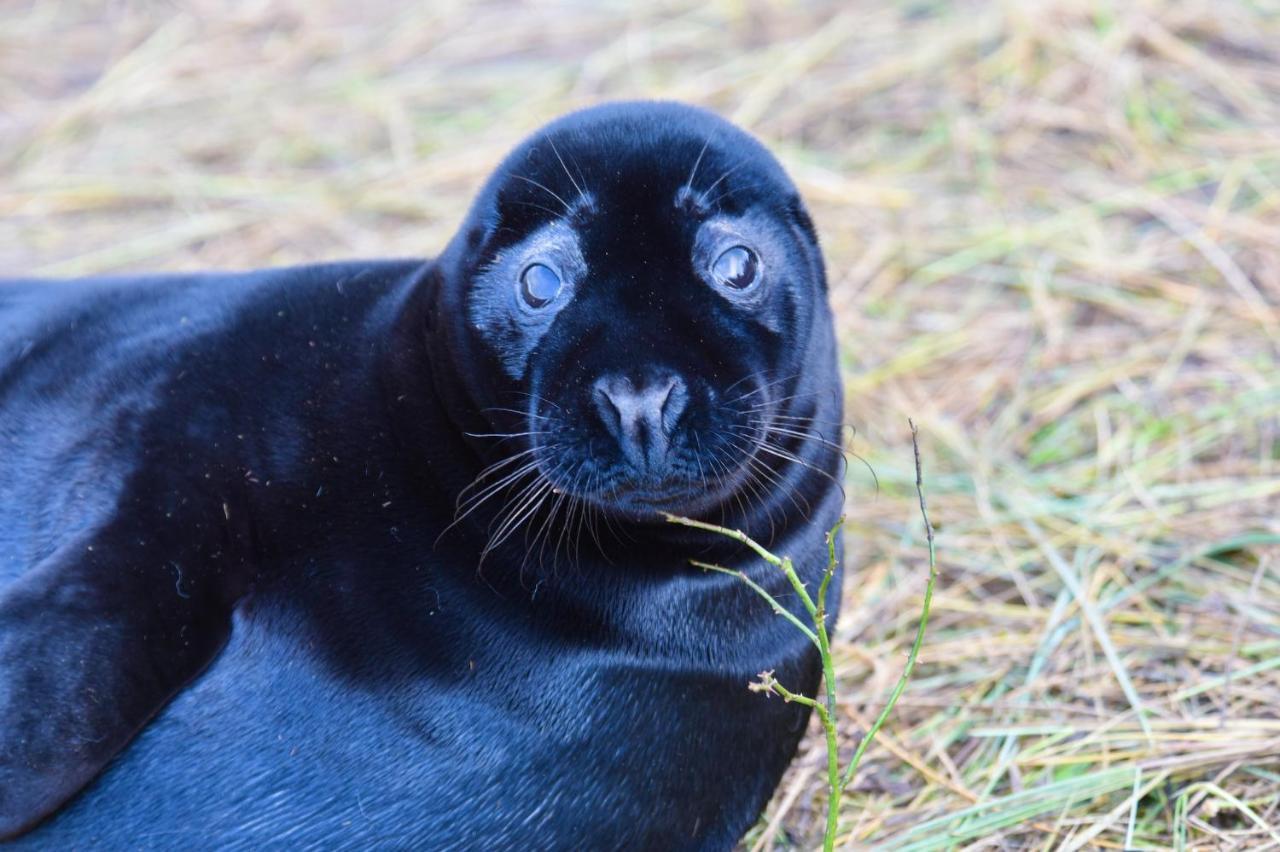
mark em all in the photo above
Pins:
pixel 370 553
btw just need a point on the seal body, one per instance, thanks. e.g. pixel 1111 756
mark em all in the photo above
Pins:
pixel 372 553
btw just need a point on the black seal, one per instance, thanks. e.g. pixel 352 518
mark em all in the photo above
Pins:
pixel 372 553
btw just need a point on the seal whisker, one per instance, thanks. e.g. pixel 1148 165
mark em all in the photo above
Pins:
pixel 801 419
pixel 760 388
pixel 813 437
pixel 536 400
pixel 724 474
pixel 566 529
pixel 717 461
pixel 773 429
pixel 530 497
pixel 582 195
pixel 583 508
pixel 491 470
pixel 568 512
pixel 553 214
pixel 697 162
pixel 730 191
pixel 567 207
pixel 751 463
pixel 518 510
pixel 842 449
pixel 506 435
pixel 521 412
pixel 787 489
pixel 774 450
pixel 476 500
pixel 543 531
pixel 594 515
pixel 754 484
pixel 496 488
pixel 783 400
pixel 701 452
pixel 717 181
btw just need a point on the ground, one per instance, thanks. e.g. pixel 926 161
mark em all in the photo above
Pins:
pixel 1053 237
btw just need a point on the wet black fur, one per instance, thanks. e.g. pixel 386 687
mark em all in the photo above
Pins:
pixel 235 609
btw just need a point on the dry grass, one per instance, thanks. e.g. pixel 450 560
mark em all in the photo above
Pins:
pixel 1053 231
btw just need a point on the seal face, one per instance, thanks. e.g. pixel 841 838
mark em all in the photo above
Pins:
pixel 649 309
pixel 373 553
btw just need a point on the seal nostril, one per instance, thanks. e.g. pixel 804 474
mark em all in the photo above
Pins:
pixel 640 415
pixel 674 402
pixel 607 407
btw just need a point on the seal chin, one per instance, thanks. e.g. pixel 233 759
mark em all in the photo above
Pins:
pixel 644 500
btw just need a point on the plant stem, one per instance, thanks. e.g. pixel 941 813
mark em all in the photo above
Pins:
pixel 924 621
pixel 834 784
pixel 760 590
pixel 783 562
pixel 827 707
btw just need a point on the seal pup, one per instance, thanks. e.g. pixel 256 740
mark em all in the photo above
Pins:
pixel 372 552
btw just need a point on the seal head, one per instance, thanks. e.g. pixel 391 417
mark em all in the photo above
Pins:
pixel 646 285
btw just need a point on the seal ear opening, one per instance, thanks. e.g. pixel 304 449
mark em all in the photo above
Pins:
pixel 480 232
pixel 800 216
pixel 802 225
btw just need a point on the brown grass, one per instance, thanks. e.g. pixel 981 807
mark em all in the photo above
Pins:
pixel 1053 231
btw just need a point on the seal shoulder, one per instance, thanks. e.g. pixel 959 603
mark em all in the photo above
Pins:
pixel 126 567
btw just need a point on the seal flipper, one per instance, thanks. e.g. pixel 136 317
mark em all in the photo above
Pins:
pixel 91 647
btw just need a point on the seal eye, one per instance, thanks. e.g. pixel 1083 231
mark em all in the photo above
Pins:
pixel 737 267
pixel 539 284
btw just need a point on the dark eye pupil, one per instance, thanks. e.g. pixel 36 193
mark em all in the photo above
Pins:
pixel 539 285
pixel 737 267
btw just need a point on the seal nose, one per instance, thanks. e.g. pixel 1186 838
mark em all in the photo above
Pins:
pixel 641 414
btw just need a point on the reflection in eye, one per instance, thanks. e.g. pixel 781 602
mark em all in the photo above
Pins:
pixel 539 284
pixel 737 267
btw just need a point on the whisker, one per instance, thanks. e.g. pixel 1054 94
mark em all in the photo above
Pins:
pixel 505 435
pixel 581 194
pixel 567 207
pixel 788 490
pixel 805 436
pixel 565 534
pixel 730 191
pixel 521 412
pixel 529 499
pixel 844 450
pixel 553 214
pixel 474 502
pixel 785 399
pixel 726 476
pixel 774 450
pixel 717 181
pixel 594 515
pixel 482 497
pixel 765 432
pixel 752 482
pixel 490 470
pixel 758 389
pixel 701 452
pixel 544 530
pixel 694 171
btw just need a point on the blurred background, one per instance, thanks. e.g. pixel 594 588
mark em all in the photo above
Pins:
pixel 1053 237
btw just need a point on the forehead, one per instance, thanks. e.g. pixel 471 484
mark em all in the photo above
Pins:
pixel 637 168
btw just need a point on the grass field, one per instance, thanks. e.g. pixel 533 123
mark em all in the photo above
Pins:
pixel 1053 236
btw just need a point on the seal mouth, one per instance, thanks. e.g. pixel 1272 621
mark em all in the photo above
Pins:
pixel 621 489
pixel 658 497
pixel 677 496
